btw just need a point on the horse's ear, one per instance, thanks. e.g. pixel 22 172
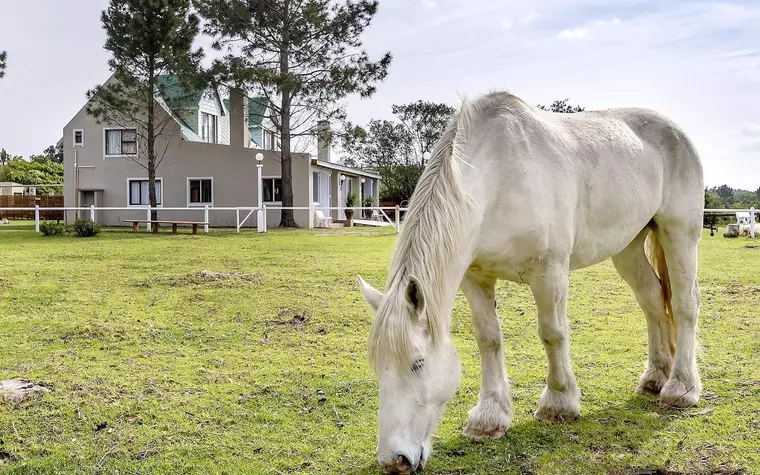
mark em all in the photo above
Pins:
pixel 371 294
pixel 415 295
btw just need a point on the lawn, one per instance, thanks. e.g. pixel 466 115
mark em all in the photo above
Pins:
pixel 158 370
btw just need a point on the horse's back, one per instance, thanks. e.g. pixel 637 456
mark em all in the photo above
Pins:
pixel 581 185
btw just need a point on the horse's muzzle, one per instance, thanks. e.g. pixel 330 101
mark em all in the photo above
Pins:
pixel 402 466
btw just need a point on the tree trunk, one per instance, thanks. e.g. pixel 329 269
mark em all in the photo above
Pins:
pixel 287 219
pixel 151 148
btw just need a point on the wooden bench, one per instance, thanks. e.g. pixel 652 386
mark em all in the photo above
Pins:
pixel 155 224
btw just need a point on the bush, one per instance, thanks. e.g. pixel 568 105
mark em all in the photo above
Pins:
pixel 48 228
pixel 85 228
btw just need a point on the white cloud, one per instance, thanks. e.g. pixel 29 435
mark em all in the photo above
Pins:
pixel 532 16
pixel 574 33
pixel 602 23
pixel 430 3
pixel 750 130
pixel 507 24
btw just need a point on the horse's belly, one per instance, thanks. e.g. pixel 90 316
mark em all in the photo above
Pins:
pixel 606 233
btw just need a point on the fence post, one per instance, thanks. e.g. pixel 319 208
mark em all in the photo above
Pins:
pixel 752 222
pixel 147 225
pixel 92 213
pixel 205 218
pixel 398 218
pixel 264 219
pixel 237 219
pixel 36 218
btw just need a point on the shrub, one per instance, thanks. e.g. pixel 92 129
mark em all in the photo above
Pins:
pixel 85 228
pixel 49 228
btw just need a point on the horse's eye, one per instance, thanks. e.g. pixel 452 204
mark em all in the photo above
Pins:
pixel 418 364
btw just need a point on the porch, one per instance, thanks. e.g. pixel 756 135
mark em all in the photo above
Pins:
pixel 339 192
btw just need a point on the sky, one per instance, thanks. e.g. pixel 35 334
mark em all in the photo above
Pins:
pixel 698 62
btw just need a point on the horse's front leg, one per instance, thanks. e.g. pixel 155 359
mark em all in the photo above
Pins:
pixel 492 416
pixel 560 399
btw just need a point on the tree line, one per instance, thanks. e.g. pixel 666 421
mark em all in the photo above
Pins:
pixel 43 168
pixel 396 148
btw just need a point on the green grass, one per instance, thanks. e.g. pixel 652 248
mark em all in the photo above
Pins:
pixel 267 374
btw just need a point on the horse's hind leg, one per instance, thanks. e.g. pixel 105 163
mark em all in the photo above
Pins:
pixel 680 239
pixel 492 416
pixel 634 267
pixel 561 398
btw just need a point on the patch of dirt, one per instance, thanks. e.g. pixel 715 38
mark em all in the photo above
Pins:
pixel 21 389
pixel 740 289
pixel 720 470
pixel 291 318
pixel 5 457
pixel 212 275
pixel 200 278
pixel 752 246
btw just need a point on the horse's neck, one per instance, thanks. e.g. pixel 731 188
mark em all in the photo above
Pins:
pixel 441 268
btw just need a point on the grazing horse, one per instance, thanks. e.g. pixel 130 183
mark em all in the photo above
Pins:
pixel 517 193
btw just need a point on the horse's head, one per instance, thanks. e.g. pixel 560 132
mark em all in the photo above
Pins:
pixel 416 383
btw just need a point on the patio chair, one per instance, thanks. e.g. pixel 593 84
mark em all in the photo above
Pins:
pixel 320 221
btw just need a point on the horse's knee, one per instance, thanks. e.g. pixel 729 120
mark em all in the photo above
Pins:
pixel 552 335
pixel 488 334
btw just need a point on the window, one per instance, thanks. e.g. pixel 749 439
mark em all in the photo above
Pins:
pixel 79 138
pixel 200 191
pixel 121 142
pixel 138 192
pixel 209 127
pixel 272 190
pixel 267 139
pixel 315 187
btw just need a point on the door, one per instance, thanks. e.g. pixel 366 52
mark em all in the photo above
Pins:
pixel 324 193
pixel 88 199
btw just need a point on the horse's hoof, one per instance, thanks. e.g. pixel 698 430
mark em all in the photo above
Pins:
pixel 676 395
pixel 483 434
pixel 652 381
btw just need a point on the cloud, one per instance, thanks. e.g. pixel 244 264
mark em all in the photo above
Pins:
pixel 750 130
pixel 751 147
pixel 574 33
pixel 532 16
pixel 602 23
pixel 430 3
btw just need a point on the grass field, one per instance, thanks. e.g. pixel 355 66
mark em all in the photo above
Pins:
pixel 157 370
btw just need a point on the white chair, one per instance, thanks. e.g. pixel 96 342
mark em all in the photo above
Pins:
pixel 320 221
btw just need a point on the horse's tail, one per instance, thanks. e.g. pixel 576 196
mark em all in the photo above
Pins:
pixel 656 256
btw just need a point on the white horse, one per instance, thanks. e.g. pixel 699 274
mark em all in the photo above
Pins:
pixel 514 192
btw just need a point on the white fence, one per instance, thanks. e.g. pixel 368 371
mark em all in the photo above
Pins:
pixel 262 213
pixel 242 213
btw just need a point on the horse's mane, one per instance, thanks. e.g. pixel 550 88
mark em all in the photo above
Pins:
pixel 427 247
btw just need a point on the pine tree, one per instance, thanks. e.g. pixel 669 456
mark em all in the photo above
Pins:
pixel 302 55
pixel 150 40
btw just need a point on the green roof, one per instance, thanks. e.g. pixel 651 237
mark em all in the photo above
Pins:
pixel 257 106
pixel 173 92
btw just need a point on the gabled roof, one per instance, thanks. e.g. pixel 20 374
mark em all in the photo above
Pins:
pixel 187 132
pixel 173 91
pixel 257 107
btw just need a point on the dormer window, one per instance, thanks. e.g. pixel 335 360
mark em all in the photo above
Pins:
pixel 209 128
pixel 268 140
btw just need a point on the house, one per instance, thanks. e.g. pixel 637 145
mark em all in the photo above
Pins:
pixel 9 188
pixel 211 146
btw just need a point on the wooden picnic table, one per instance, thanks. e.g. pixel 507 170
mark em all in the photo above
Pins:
pixel 155 224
